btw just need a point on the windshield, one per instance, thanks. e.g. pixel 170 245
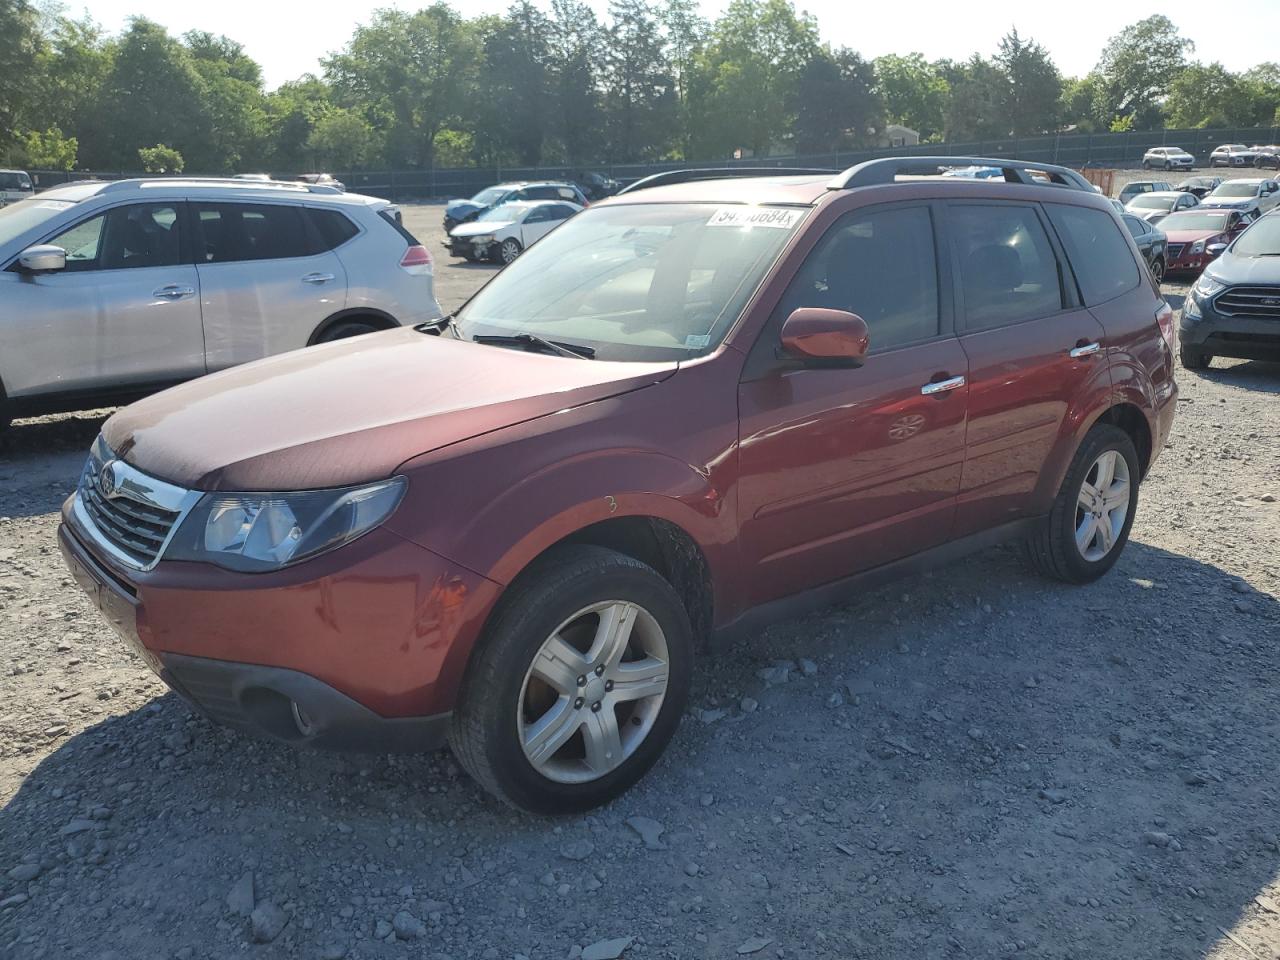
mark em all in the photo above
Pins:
pixel 17 218
pixel 1153 203
pixel 506 211
pixel 489 195
pixel 654 281
pixel 1260 240
pixel 1194 221
pixel 1236 189
pixel 14 181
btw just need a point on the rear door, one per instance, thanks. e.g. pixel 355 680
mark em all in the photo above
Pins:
pixel 124 312
pixel 847 469
pixel 1033 349
pixel 267 281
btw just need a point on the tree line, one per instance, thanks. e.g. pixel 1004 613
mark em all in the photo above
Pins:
pixel 652 81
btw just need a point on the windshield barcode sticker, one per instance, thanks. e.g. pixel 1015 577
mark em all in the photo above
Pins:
pixel 778 217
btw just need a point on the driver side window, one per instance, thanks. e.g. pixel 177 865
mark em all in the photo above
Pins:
pixel 137 235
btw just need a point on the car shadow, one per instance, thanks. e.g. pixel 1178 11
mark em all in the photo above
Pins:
pixel 41 460
pixel 484 265
pixel 979 761
pixel 1258 375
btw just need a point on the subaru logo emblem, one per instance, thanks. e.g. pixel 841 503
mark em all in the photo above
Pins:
pixel 107 479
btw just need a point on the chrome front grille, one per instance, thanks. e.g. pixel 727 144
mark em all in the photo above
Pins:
pixel 127 513
pixel 1175 250
pixel 1261 303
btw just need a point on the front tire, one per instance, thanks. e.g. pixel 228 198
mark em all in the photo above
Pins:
pixel 1088 526
pixel 347 329
pixel 1146 164
pixel 507 251
pixel 1194 359
pixel 1157 269
pixel 1168 165
pixel 578 684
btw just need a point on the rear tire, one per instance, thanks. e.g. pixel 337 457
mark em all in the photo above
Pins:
pixel 346 329
pixel 1194 359
pixel 1157 269
pixel 525 729
pixel 1056 549
pixel 1168 165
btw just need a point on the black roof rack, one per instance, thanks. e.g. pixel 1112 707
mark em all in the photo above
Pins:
pixel 719 173
pixel 887 169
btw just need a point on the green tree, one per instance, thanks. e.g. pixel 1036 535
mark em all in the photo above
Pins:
pixel 1136 68
pixel 639 93
pixel 408 73
pixel 160 159
pixel 1080 98
pixel 685 33
pixel 292 111
pixel 233 105
pixel 1033 86
pixel 49 150
pixel 72 71
pixel 515 83
pixel 20 48
pixel 838 106
pixel 752 66
pixel 914 93
pixel 1262 86
pixel 575 39
pixel 975 105
pixel 341 140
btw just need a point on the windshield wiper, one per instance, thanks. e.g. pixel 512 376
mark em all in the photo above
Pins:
pixel 533 340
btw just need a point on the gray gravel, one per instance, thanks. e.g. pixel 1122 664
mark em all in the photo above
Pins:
pixel 974 763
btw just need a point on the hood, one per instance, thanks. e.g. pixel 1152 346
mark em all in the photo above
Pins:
pixel 476 228
pixel 462 208
pixel 1229 203
pixel 1190 236
pixel 1263 271
pixel 352 411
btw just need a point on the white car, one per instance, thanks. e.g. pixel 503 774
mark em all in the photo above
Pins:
pixel 1168 158
pixel 1232 155
pixel 1254 194
pixel 1155 206
pixel 504 232
pixel 15 185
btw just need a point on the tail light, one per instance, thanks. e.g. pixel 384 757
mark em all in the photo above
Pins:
pixel 1164 317
pixel 417 259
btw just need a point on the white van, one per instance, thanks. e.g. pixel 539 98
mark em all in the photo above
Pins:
pixel 14 185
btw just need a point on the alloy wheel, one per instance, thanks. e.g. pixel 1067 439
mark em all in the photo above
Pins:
pixel 510 250
pixel 593 691
pixel 1157 270
pixel 1102 505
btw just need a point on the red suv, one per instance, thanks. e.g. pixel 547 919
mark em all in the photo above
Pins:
pixel 696 406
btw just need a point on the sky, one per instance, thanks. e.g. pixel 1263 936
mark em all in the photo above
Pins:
pixel 290 38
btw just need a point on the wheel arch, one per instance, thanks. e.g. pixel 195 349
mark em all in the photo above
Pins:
pixel 1130 418
pixel 381 318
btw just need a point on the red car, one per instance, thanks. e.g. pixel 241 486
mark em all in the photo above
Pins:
pixel 695 407
pixel 1197 237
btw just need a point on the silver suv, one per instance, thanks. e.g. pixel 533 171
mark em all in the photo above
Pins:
pixel 112 290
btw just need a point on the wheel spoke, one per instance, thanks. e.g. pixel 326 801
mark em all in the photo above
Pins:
pixel 1086 532
pixel 603 740
pixel 559 665
pixel 639 679
pixel 1106 469
pixel 613 634
pixel 1088 496
pixel 551 731
pixel 1117 495
pixel 1106 534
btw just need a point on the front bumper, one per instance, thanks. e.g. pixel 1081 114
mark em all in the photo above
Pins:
pixel 369 642
pixel 464 246
pixel 1245 338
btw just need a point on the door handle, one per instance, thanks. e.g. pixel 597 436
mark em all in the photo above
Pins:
pixel 317 278
pixel 942 386
pixel 173 291
pixel 1085 350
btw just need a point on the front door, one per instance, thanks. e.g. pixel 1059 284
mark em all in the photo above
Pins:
pixel 266 284
pixel 124 312
pixel 843 470
pixel 1032 350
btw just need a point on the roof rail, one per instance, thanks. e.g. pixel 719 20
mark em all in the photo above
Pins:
pixel 887 169
pixel 137 183
pixel 717 173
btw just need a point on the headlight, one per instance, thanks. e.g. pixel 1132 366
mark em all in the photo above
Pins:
pixel 1197 247
pixel 1191 308
pixel 486 238
pixel 256 532
pixel 1206 286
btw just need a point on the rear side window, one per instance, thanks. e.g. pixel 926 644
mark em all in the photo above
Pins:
pixel 232 232
pixel 334 228
pixel 881 266
pixel 541 193
pixel 1103 263
pixel 1008 270
pixel 1136 227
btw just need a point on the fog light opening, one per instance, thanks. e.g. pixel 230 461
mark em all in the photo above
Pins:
pixel 301 719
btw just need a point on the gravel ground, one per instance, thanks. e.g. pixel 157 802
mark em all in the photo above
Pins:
pixel 973 763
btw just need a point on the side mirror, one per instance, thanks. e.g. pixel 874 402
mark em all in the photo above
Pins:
pixel 820 337
pixel 43 258
pixel 1215 249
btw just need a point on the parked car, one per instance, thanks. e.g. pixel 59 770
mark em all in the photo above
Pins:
pixel 1267 156
pixel 1152 243
pixel 1153 207
pixel 1232 155
pixel 464 211
pixel 1234 308
pixel 1251 194
pixel 1136 187
pixel 695 406
pixel 974 173
pixel 322 180
pixel 596 186
pixel 256 177
pixel 113 290
pixel 15 185
pixel 1196 237
pixel 1168 158
pixel 502 233
pixel 1199 187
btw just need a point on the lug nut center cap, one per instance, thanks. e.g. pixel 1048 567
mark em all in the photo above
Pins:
pixel 594 690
